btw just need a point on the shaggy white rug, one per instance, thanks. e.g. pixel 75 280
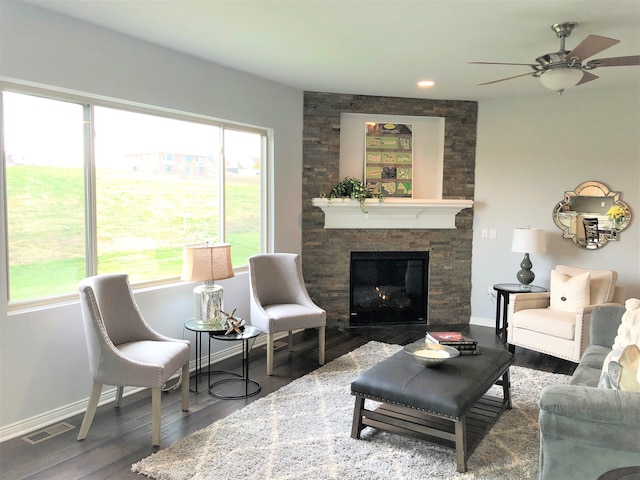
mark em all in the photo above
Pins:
pixel 303 431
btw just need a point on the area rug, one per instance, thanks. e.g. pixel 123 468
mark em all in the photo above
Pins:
pixel 303 431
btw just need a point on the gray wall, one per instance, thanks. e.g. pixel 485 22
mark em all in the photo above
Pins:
pixel 43 360
pixel 530 151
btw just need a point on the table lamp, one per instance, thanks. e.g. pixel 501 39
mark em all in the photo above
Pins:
pixel 527 240
pixel 207 263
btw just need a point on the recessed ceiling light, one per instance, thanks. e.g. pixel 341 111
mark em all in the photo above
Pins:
pixel 426 83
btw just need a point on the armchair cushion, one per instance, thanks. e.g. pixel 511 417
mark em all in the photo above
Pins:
pixel 569 293
pixel 549 322
pixel 603 282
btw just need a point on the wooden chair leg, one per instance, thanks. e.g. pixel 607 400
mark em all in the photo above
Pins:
pixel 91 410
pixel 185 387
pixel 156 397
pixel 269 353
pixel 119 392
pixel 290 341
pixel 321 346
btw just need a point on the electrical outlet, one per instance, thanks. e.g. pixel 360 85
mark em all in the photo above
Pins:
pixel 484 233
pixel 492 234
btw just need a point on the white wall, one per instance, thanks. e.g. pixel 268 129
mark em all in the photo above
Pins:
pixel 529 152
pixel 43 360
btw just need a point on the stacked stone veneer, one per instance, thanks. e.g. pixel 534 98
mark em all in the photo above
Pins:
pixel 326 252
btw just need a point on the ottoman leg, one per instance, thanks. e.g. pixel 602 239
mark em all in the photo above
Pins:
pixel 356 427
pixel 461 444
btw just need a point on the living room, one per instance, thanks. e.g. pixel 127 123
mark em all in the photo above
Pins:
pixel 529 151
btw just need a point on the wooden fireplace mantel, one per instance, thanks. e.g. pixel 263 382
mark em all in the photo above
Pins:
pixel 391 213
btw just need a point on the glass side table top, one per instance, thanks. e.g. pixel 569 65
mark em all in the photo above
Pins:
pixel 214 329
pixel 248 332
pixel 518 288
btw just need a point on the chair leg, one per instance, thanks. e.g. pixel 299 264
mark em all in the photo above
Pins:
pixel 91 410
pixel 321 346
pixel 119 391
pixel 269 353
pixel 185 387
pixel 290 340
pixel 155 415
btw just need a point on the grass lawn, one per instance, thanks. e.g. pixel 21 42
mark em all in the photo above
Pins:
pixel 143 221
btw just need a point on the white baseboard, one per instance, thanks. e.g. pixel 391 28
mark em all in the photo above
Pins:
pixel 51 417
pixel 483 322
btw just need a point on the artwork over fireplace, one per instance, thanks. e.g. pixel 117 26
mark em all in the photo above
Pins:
pixel 389 288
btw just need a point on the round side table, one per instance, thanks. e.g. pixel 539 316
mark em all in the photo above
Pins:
pixel 247 337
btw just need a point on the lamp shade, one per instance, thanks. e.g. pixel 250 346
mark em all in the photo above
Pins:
pixel 207 262
pixel 528 240
pixel 559 79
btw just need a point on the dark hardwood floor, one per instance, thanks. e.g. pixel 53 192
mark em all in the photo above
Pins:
pixel 120 437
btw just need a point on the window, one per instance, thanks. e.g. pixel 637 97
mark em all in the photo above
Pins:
pixel 100 188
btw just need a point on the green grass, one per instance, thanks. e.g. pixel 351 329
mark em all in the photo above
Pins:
pixel 143 223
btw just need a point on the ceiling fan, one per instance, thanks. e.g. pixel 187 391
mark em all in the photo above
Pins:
pixel 563 69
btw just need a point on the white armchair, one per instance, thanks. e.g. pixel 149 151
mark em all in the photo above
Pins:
pixel 280 301
pixel 557 322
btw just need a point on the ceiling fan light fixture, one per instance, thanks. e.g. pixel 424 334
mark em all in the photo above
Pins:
pixel 559 79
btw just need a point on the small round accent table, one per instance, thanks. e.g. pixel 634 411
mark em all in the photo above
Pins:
pixel 502 302
pixel 248 338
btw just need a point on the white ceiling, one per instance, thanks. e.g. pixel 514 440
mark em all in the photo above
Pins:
pixel 376 47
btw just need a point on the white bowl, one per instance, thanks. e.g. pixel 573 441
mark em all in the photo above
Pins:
pixel 430 354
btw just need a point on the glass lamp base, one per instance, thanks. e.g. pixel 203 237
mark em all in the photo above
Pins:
pixel 207 302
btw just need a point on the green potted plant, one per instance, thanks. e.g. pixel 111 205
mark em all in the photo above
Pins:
pixel 353 188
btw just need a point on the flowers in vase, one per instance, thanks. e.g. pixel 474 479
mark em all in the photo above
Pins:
pixel 616 214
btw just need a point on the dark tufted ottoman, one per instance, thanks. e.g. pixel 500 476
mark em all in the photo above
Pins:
pixel 445 404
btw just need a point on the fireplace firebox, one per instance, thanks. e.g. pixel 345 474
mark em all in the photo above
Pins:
pixel 389 288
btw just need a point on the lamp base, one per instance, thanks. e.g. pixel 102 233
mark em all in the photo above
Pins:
pixel 207 302
pixel 525 276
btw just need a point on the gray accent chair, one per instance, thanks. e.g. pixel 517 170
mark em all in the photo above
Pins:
pixel 280 301
pixel 586 431
pixel 124 350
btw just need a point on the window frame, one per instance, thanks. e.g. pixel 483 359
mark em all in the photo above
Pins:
pixel 88 103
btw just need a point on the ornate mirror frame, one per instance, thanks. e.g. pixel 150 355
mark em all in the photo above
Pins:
pixel 591 215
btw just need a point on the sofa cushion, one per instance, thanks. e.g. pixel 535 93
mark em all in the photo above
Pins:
pixel 547 321
pixel 620 370
pixel 603 282
pixel 629 329
pixel 568 294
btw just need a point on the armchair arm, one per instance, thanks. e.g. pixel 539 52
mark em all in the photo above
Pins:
pixel 525 301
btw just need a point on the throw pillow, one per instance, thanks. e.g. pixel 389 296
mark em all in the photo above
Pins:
pixel 568 294
pixel 620 370
pixel 603 282
pixel 629 329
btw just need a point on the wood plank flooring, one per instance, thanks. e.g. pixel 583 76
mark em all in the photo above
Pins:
pixel 120 437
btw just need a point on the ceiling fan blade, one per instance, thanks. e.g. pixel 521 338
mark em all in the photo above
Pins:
pixel 508 78
pixel 615 61
pixel 590 46
pixel 587 77
pixel 502 63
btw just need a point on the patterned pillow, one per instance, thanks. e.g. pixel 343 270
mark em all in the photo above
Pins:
pixel 567 293
pixel 621 370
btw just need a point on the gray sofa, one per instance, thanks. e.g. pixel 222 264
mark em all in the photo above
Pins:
pixel 586 431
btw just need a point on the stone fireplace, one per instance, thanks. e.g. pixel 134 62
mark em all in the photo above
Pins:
pixel 326 252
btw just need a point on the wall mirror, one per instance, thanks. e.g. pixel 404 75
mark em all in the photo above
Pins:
pixel 591 215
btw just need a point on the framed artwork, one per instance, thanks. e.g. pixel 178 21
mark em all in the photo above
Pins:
pixel 389 158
